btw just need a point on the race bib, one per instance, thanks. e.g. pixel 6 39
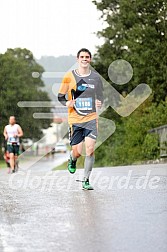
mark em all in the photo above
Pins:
pixel 13 139
pixel 84 103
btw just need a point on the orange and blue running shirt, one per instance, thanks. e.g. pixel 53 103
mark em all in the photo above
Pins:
pixel 85 90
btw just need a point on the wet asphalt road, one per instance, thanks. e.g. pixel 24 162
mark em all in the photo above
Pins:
pixel 48 211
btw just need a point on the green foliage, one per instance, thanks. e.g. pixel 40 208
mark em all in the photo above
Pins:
pixel 150 148
pixel 136 129
pixel 17 84
pixel 131 141
pixel 135 31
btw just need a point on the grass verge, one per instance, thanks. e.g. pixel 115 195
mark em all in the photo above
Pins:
pixel 80 164
pixel 2 164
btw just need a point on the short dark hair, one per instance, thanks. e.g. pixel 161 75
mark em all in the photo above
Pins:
pixel 84 50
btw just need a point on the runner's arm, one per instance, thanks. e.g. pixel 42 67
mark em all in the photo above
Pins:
pixel 63 90
pixel 5 134
pixel 20 132
pixel 62 99
pixel 99 93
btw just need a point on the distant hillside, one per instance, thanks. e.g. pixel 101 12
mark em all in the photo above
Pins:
pixel 61 63
pixel 55 64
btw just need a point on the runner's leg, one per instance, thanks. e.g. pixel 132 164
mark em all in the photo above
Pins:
pixel 76 141
pixel 8 165
pixel 76 151
pixel 16 162
pixel 89 159
pixel 16 153
pixel 12 161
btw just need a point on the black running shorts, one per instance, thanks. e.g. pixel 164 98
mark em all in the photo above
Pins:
pixel 13 148
pixel 81 130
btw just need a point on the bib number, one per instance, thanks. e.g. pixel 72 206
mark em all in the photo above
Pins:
pixel 84 103
pixel 13 140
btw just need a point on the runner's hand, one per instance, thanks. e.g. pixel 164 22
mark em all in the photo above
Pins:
pixel 98 104
pixel 70 104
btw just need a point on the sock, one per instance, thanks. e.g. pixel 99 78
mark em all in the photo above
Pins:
pixel 88 165
pixel 72 156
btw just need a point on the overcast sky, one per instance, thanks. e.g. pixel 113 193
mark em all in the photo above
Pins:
pixel 49 27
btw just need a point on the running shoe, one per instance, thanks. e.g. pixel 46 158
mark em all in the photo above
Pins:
pixel 71 165
pixel 86 185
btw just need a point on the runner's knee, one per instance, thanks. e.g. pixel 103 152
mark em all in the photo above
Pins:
pixel 89 150
pixel 11 155
pixel 76 153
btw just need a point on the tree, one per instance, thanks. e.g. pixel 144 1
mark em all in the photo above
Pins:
pixel 135 31
pixel 132 141
pixel 17 84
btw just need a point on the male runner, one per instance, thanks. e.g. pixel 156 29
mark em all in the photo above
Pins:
pixel 84 90
pixel 12 133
